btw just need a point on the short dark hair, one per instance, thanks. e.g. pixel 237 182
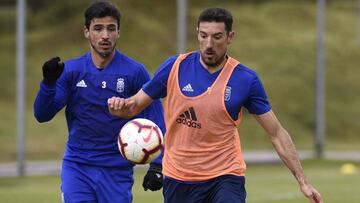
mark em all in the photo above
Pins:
pixel 217 15
pixel 100 9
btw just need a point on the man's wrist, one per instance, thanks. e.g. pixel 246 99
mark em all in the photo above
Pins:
pixel 49 80
pixel 155 167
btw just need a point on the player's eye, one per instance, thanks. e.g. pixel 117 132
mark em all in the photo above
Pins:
pixel 217 37
pixel 97 28
pixel 112 28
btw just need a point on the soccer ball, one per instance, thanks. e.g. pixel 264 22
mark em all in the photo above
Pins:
pixel 140 141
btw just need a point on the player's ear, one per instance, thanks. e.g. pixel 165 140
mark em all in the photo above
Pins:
pixel 231 35
pixel 86 32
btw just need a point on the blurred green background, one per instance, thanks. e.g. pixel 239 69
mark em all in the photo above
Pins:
pixel 276 38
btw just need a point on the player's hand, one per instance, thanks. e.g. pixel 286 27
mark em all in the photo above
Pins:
pixel 311 193
pixel 121 107
pixel 52 70
pixel 153 179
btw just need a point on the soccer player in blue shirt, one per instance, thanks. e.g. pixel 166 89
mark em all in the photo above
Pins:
pixel 93 169
pixel 205 92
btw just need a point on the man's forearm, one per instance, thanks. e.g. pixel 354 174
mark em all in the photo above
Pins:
pixel 127 108
pixel 287 152
pixel 284 146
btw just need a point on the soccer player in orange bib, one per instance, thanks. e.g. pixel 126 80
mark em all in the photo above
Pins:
pixel 205 92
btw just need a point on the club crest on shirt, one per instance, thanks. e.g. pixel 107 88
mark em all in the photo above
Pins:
pixel 120 85
pixel 227 93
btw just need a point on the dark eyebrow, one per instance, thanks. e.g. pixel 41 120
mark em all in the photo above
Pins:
pixel 98 25
pixel 101 24
pixel 218 33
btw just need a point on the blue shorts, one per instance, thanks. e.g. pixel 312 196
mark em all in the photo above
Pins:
pixel 223 189
pixel 85 183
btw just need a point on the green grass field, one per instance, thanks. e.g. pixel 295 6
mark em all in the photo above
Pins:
pixel 265 184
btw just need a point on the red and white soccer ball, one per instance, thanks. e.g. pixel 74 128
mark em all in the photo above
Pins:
pixel 140 141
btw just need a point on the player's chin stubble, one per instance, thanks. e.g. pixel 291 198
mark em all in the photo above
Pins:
pixel 216 63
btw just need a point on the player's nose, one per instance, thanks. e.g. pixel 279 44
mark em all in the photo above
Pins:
pixel 105 34
pixel 209 43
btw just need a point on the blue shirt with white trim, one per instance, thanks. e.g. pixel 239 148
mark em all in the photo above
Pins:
pixel 84 90
pixel 244 88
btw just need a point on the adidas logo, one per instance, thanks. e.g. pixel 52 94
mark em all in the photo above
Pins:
pixel 81 83
pixel 189 118
pixel 187 88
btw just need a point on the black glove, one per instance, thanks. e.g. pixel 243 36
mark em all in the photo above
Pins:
pixel 153 179
pixel 52 70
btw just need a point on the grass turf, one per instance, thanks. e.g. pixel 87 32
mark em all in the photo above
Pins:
pixel 265 184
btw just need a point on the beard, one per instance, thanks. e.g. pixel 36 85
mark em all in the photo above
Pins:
pixel 212 63
pixel 103 53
